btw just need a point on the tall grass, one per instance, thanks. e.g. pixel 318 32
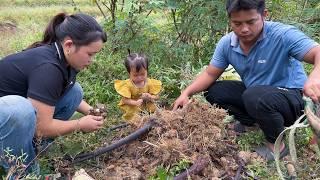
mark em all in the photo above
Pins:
pixel 30 21
pixel 10 3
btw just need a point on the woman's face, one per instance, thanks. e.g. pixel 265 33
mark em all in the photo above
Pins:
pixel 82 56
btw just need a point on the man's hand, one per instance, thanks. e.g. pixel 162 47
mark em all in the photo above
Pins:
pixel 312 89
pixel 312 86
pixel 181 101
pixel 90 123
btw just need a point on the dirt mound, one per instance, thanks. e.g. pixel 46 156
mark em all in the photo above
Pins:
pixel 194 134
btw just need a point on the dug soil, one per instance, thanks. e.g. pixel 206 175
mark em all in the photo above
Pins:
pixel 194 134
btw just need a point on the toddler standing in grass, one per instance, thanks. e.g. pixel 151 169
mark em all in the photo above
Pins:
pixel 138 92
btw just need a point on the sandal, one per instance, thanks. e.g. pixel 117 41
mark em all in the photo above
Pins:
pixel 268 155
pixel 239 128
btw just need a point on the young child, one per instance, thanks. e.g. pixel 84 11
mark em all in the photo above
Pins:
pixel 138 92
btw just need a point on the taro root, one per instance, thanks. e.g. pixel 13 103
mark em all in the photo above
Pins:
pixel 99 110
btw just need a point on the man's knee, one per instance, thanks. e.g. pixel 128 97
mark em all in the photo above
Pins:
pixel 255 99
pixel 250 96
pixel 261 97
pixel 214 94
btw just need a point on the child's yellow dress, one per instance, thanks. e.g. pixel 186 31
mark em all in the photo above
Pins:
pixel 127 89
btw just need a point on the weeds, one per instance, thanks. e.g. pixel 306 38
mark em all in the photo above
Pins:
pixel 16 166
pixel 249 140
pixel 169 172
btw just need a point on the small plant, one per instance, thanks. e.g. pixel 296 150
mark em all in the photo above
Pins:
pixel 180 167
pixel 161 174
pixel 247 140
pixel 17 168
pixel 170 172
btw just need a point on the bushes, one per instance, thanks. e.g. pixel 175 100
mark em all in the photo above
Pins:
pixel 178 37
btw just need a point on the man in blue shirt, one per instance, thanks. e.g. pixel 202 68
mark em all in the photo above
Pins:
pixel 267 56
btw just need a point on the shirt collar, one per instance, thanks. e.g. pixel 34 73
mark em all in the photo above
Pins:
pixel 60 53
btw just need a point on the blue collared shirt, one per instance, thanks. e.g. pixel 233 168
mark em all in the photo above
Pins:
pixel 275 59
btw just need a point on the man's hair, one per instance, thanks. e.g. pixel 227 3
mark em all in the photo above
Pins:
pixel 238 5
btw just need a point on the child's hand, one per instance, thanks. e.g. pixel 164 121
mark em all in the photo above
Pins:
pixel 146 97
pixel 139 102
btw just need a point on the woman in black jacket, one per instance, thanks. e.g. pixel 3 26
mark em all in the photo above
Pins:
pixel 38 89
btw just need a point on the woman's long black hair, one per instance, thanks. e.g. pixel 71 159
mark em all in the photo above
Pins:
pixel 81 28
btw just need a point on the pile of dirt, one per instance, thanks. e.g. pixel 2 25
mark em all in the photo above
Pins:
pixel 195 133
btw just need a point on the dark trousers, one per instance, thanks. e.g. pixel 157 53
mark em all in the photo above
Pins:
pixel 270 107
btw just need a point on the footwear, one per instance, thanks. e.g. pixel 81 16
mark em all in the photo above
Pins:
pixel 239 128
pixel 268 155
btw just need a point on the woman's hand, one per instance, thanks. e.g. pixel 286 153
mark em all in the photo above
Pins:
pixel 90 123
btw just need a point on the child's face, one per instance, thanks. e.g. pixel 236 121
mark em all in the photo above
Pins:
pixel 138 77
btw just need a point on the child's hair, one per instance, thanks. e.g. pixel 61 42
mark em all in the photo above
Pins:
pixel 136 60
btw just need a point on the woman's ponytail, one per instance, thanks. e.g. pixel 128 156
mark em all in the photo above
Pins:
pixel 81 28
pixel 49 35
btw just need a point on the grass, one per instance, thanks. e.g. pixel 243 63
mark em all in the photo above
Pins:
pixel 27 28
pixel 15 3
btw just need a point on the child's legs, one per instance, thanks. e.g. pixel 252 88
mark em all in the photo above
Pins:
pixel 129 111
pixel 17 128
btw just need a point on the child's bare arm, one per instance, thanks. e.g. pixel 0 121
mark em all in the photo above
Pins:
pixel 132 102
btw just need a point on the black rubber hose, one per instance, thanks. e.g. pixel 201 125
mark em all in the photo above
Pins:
pixel 117 127
pixel 126 140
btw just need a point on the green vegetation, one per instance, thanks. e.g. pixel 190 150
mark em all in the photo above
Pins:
pixel 169 172
pixel 28 19
pixel 168 32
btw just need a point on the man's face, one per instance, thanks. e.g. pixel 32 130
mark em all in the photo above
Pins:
pixel 247 25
